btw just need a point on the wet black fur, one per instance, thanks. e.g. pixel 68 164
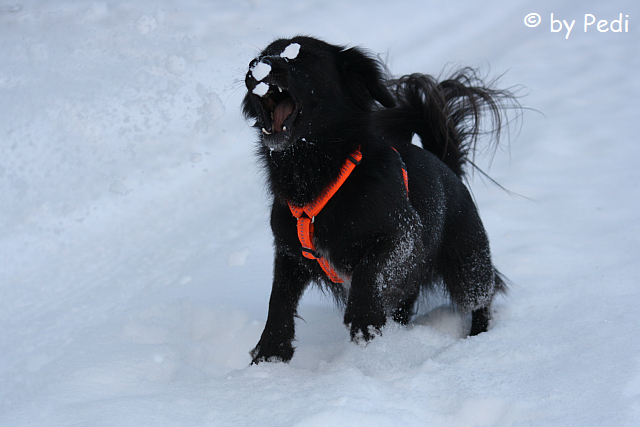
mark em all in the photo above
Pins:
pixel 392 247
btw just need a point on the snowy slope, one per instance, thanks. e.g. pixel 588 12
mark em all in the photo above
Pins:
pixel 135 255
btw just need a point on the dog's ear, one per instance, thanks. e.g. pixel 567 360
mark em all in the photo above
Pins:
pixel 364 78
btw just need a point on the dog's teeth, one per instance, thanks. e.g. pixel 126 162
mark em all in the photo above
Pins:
pixel 266 132
pixel 284 128
pixel 279 89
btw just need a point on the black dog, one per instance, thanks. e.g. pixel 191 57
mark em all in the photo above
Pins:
pixel 357 208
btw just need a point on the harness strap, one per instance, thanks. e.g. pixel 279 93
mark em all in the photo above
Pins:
pixel 405 175
pixel 314 208
pixel 306 214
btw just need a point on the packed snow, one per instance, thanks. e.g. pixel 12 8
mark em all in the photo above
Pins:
pixel 291 51
pixel 135 244
pixel 260 71
pixel 261 89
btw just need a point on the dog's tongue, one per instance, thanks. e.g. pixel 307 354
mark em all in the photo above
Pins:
pixel 283 110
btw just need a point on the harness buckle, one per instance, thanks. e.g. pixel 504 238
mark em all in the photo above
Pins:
pixel 310 253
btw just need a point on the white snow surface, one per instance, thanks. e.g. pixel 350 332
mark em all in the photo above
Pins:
pixel 135 247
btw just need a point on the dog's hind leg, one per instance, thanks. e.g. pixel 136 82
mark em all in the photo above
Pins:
pixel 471 286
pixel 470 278
pixel 480 317
pixel 403 311
pixel 480 320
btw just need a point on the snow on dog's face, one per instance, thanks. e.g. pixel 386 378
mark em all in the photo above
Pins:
pixel 300 89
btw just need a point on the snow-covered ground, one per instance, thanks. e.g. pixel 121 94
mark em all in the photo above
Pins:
pixel 135 253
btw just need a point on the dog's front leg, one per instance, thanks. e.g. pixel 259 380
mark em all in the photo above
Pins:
pixel 290 279
pixel 364 314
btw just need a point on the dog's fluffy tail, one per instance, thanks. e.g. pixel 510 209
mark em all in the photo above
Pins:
pixel 449 116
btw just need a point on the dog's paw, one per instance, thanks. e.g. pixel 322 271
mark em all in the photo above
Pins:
pixel 364 326
pixel 363 332
pixel 271 359
pixel 269 353
pixel 362 336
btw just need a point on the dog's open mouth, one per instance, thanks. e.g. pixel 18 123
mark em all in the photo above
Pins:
pixel 279 109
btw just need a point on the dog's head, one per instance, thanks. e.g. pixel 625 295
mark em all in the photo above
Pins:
pixel 300 88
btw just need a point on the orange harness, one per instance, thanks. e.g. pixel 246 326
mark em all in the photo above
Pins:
pixel 305 223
